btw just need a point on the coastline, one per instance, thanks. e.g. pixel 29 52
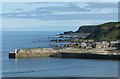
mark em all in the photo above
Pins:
pixel 79 44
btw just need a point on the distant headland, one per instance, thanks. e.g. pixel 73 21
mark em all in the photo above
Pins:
pixel 107 31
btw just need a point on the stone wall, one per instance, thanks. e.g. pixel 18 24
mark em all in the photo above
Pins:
pixel 118 46
pixel 66 52
pixel 32 53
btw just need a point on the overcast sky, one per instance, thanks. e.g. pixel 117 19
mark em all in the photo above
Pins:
pixel 56 16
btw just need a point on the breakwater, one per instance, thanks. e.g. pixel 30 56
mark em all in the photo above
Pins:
pixel 86 56
pixel 64 53
pixel 31 53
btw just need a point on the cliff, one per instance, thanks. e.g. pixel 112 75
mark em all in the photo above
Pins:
pixel 107 31
pixel 86 29
pixel 83 29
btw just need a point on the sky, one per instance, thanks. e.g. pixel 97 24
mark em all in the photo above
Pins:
pixel 55 16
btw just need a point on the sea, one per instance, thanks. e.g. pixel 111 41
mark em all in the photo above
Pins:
pixel 48 67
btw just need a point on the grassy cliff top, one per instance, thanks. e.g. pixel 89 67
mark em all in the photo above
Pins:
pixel 107 31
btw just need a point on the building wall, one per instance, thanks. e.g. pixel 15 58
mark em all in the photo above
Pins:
pixel 118 46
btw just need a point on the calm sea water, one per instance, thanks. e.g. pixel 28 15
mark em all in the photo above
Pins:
pixel 48 67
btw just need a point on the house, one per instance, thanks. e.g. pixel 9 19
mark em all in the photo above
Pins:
pixel 97 45
pixel 91 41
pixel 115 44
pixel 83 45
pixel 105 44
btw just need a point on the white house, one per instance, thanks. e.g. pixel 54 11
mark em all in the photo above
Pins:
pixel 83 45
pixel 105 44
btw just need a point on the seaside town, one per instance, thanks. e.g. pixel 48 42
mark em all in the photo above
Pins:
pixel 77 41
pixel 100 37
pixel 64 39
pixel 95 42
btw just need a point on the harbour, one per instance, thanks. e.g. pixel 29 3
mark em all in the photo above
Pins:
pixel 65 53
pixel 49 66
pixel 60 40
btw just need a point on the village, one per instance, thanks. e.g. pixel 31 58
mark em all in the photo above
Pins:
pixel 80 42
pixel 74 46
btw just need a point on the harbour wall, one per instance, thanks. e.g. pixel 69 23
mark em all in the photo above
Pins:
pixel 65 53
pixel 86 56
pixel 32 53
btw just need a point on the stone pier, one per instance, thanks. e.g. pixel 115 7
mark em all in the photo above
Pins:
pixel 32 53
pixel 65 53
